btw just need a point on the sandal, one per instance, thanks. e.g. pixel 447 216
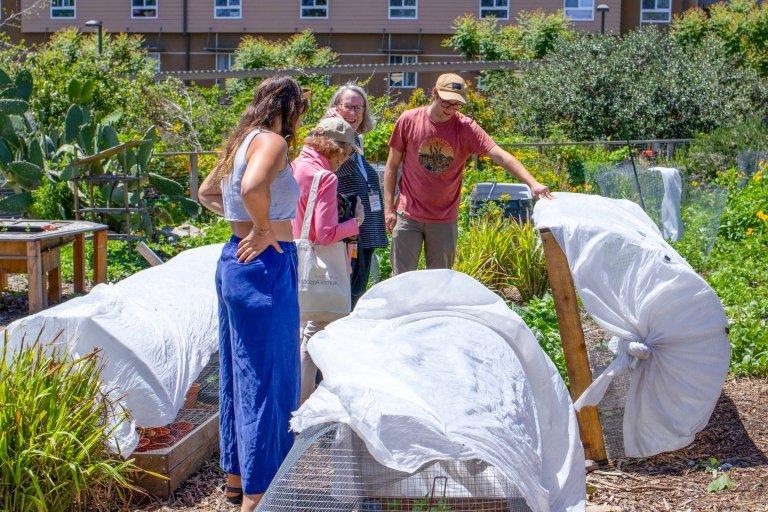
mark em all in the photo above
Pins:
pixel 237 491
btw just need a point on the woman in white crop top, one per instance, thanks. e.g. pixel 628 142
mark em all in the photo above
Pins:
pixel 253 187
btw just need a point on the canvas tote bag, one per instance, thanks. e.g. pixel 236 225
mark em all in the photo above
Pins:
pixel 324 286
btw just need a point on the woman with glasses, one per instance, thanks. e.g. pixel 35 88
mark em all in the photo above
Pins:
pixel 253 187
pixel 357 177
pixel 432 144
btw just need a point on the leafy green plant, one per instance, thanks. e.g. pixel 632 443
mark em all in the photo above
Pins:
pixel 721 481
pixel 53 414
pixel 539 315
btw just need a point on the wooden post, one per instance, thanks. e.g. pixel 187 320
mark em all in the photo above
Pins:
pixel 99 256
pixel 78 262
pixel 193 176
pixel 34 277
pixel 3 280
pixel 574 347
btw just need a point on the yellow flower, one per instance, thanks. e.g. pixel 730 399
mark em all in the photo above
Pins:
pixel 762 215
pixel 750 231
pixel 758 175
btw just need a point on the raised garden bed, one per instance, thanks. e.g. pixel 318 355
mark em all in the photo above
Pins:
pixel 178 449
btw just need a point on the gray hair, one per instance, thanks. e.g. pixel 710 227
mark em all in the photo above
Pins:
pixel 368 123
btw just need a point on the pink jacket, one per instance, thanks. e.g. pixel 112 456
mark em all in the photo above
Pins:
pixel 325 228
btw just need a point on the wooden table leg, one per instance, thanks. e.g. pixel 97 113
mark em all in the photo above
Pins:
pixel 78 257
pixel 574 347
pixel 99 256
pixel 35 277
pixel 54 281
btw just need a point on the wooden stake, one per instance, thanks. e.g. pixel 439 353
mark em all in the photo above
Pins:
pixel 148 254
pixel 574 347
pixel 3 280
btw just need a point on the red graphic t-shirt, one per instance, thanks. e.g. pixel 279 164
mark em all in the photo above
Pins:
pixel 434 155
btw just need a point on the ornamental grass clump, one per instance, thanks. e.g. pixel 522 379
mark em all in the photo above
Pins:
pixel 53 433
pixel 501 253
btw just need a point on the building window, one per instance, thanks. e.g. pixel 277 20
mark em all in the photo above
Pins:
pixel 580 10
pixel 403 79
pixel 143 8
pixel 224 61
pixel 155 56
pixel 314 8
pixel 227 9
pixel 63 9
pixel 403 9
pixel 494 9
pixel 655 11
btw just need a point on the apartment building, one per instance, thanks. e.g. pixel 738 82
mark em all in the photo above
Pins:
pixel 202 34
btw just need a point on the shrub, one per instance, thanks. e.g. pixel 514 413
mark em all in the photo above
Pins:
pixel 644 85
pixel 53 454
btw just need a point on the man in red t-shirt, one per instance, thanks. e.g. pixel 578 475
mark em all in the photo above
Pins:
pixel 433 143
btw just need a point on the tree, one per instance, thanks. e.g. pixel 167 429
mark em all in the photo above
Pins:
pixel 645 85
pixel 740 26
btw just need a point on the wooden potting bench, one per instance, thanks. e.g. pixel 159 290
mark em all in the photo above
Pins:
pixel 32 247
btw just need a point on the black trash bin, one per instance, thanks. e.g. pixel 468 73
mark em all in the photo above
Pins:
pixel 514 199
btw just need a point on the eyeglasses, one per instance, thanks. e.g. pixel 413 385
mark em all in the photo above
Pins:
pixel 352 108
pixel 456 105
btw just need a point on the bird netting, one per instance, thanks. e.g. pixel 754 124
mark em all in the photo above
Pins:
pixel 330 469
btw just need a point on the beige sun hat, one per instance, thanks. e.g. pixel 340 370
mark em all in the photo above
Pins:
pixel 336 128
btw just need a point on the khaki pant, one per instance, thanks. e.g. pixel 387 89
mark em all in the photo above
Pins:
pixel 439 241
pixel 308 368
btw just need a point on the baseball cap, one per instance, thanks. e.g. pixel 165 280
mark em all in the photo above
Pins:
pixel 451 87
pixel 336 128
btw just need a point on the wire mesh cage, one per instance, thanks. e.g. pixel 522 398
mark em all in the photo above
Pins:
pixel 701 206
pixel 330 469
pixel 201 404
pixel 748 162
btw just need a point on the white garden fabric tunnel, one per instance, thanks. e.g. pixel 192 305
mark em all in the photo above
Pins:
pixel 433 390
pixel 156 329
pixel 668 326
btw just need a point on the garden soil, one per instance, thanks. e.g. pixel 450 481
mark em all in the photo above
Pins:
pixel 736 436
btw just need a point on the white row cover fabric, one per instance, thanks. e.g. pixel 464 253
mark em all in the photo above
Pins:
pixel 671 219
pixel 669 326
pixel 431 365
pixel 156 330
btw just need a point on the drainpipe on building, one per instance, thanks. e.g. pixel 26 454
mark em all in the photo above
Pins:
pixel 187 41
